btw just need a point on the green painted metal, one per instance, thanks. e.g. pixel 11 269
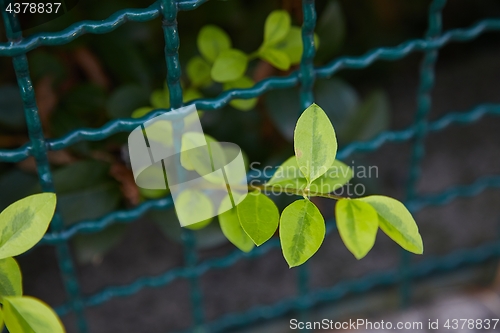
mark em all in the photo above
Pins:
pixel 435 38
pixel 423 109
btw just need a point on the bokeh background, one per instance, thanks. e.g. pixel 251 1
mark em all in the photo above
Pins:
pixel 98 78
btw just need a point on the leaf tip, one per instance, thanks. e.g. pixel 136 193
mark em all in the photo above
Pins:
pixel 359 257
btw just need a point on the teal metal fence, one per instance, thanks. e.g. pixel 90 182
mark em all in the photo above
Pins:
pixel 58 236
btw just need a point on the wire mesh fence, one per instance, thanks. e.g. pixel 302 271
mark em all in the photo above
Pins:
pixel 59 235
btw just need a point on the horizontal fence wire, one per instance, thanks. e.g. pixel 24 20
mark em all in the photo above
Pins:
pixel 292 80
pixel 220 263
pixel 303 77
pixel 130 215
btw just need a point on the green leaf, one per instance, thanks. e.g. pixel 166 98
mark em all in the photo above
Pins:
pixel 396 221
pixel 231 227
pixel 339 100
pixel 87 101
pixel 292 45
pixel 191 94
pixel 315 143
pixel 199 225
pixel 331 30
pixel 160 98
pixel 241 83
pixel 10 278
pixel 335 177
pixel 276 27
pixel 193 205
pixel 44 64
pixel 258 216
pixel 161 132
pixel 288 176
pixel 125 100
pixel 123 60
pixel 287 173
pixel 275 57
pixel 212 40
pixel 153 194
pixel 1 320
pixel 198 71
pixel 24 223
pixel 230 65
pixel 357 222
pixel 302 231
pixel 369 119
pixel 92 248
pixel 200 159
pixel 80 175
pixel 141 112
pixel 30 315
pixel 85 192
pixel 283 107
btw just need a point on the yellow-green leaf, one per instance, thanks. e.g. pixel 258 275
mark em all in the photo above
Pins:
pixel 288 176
pixel 141 112
pixel 241 83
pixel 292 45
pixel 202 153
pixel 10 278
pixel 334 178
pixel 1 320
pixel 275 57
pixel 396 221
pixel 276 27
pixel 193 206
pixel 30 315
pixel 357 222
pixel 302 231
pixel 190 94
pixel 230 65
pixel 212 40
pixel 315 143
pixel 200 225
pixel 24 223
pixel 160 98
pixel 198 71
pixel 258 216
pixel 231 227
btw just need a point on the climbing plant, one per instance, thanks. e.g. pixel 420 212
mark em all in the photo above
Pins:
pixel 312 172
pixel 22 226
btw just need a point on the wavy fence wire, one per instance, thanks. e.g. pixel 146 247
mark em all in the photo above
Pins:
pixel 430 44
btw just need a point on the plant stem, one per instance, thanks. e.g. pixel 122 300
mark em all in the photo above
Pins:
pixel 297 192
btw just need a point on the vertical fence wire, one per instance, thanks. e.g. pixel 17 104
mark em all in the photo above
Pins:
pixel 172 42
pixel 307 78
pixel 424 105
pixel 307 73
pixel 39 152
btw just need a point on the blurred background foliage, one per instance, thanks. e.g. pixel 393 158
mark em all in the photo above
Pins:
pixel 98 78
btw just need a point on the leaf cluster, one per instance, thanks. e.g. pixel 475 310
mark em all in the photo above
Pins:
pixel 314 171
pixel 22 225
pixel 220 62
